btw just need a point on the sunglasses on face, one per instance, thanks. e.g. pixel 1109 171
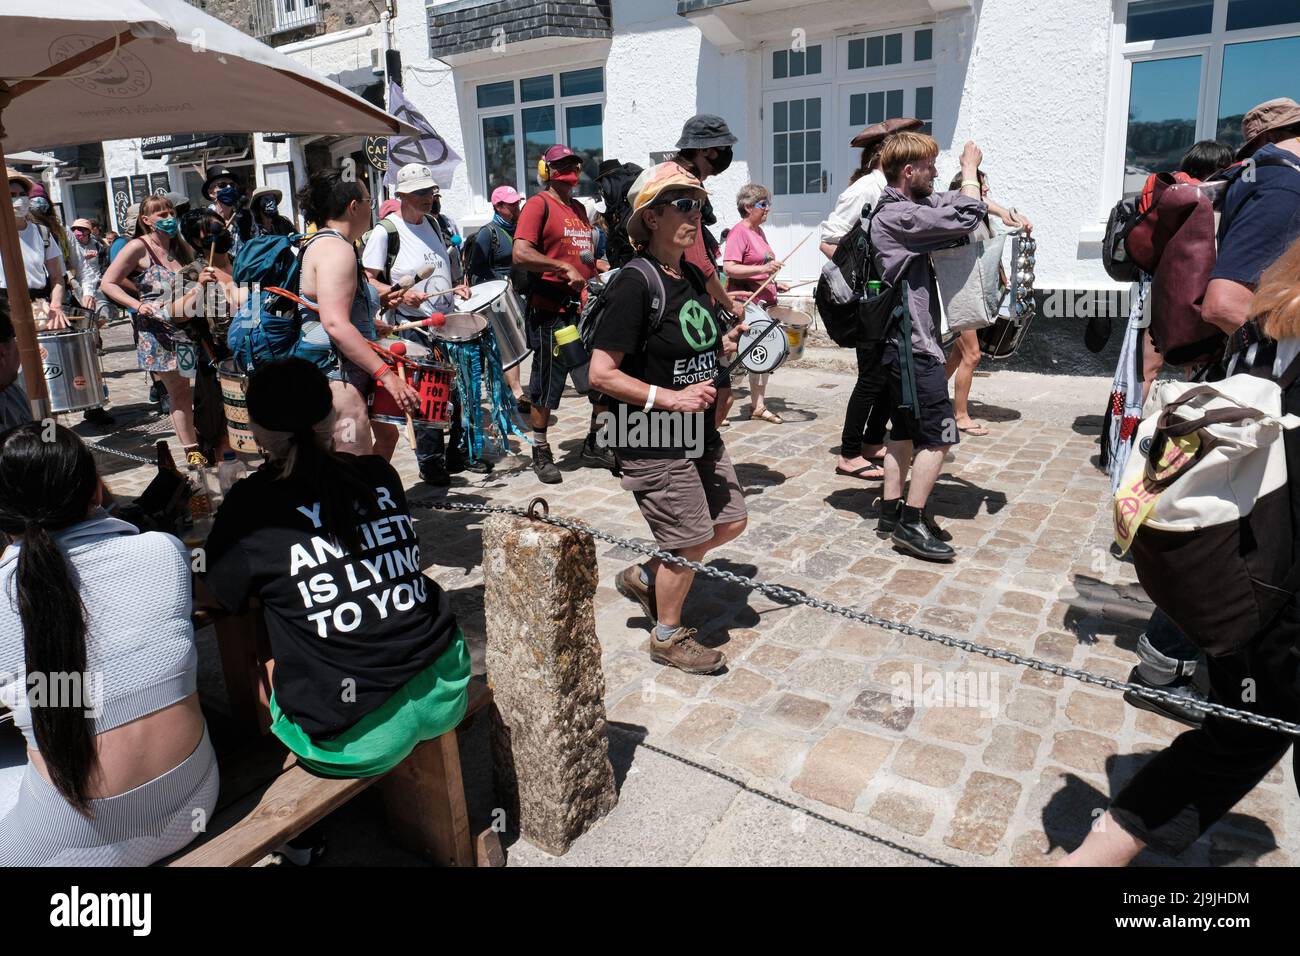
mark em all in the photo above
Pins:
pixel 763 204
pixel 422 193
pixel 684 206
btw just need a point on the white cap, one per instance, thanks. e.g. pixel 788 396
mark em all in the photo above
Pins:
pixel 415 176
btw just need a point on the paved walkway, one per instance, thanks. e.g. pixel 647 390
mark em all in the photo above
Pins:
pixel 830 742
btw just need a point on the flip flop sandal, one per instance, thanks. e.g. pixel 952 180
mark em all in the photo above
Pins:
pixel 767 415
pixel 976 431
pixel 858 473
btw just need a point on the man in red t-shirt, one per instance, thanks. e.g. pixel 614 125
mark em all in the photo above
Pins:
pixel 703 150
pixel 553 238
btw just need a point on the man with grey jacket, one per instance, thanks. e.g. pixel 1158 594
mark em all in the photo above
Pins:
pixel 912 221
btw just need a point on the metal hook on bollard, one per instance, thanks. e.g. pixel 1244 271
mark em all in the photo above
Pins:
pixel 546 509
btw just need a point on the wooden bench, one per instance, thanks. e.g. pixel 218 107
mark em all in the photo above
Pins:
pixel 267 799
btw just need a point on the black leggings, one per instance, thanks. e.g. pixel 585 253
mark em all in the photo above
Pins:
pixel 867 414
pixel 1197 779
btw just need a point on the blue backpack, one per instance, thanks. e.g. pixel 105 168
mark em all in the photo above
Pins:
pixel 268 325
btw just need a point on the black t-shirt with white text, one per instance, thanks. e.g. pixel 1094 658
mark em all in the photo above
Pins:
pixel 346 631
pixel 684 350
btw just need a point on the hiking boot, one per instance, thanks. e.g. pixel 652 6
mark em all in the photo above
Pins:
pixel 457 462
pixel 595 455
pixel 434 472
pixel 544 465
pixel 682 651
pixel 934 527
pixel 913 536
pixel 630 585
pixel 888 516
pixel 1183 688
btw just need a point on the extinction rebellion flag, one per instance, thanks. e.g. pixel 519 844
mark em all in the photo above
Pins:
pixel 429 148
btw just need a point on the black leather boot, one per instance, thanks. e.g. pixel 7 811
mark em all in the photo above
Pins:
pixel 889 508
pixel 913 535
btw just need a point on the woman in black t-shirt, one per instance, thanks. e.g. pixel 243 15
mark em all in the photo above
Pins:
pixel 369 660
pixel 659 368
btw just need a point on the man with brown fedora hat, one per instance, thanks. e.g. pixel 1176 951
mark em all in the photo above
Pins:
pixel 1261 211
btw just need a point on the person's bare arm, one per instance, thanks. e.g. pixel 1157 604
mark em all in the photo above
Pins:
pixel 714 285
pixel 829 249
pixel 1226 305
pixel 737 270
pixel 334 266
pixel 114 282
pixel 527 256
pixel 606 376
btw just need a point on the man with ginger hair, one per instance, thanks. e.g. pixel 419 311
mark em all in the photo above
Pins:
pixel 911 221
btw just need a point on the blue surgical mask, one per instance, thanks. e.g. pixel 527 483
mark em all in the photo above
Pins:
pixel 228 195
pixel 166 226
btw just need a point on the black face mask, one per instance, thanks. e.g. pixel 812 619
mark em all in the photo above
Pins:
pixel 436 209
pixel 722 160
pixel 268 207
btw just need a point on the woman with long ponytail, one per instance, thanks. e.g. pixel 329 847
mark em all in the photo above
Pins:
pixel 102 686
pixel 369 660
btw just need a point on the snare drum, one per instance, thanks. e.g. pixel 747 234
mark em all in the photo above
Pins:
pixel 498 302
pixel 764 346
pixel 795 324
pixel 70 363
pixel 432 381
pixel 460 327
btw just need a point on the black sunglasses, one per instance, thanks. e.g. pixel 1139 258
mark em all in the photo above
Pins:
pixel 683 206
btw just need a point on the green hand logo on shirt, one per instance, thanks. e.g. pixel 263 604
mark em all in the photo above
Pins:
pixel 698 328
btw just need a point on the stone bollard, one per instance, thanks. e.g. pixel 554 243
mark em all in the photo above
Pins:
pixel 550 749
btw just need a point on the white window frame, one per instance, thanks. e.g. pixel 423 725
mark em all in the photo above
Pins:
pixel 1208 46
pixel 287 19
pixel 481 188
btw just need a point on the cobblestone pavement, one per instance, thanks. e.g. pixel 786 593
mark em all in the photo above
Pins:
pixel 870 731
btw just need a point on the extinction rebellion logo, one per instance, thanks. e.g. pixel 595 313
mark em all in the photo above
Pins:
pixel 121 74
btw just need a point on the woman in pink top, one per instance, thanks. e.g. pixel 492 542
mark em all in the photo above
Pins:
pixel 749 260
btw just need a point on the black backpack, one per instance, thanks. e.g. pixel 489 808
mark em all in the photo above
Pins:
pixel 1114 254
pixel 853 314
pixel 613 189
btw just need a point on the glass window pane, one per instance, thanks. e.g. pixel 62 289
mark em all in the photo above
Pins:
pixel 894 48
pixel 812 178
pixel 927 128
pixel 1161 117
pixel 579 82
pixel 813 113
pixel 925 102
pixel 857 54
pixel 780 64
pixel 539 136
pixel 894 104
pixel 858 109
pixel 812 145
pixel 875 51
pixel 813 62
pixel 876 108
pixel 779 151
pixel 796 114
pixel 1162 19
pixel 496 94
pixel 585 136
pixel 796 147
pixel 779 117
pixel 796 62
pixel 779 187
pixel 537 88
pixel 924 45
pixel 499 153
pixel 796 179
pixel 1243 14
pixel 1253 73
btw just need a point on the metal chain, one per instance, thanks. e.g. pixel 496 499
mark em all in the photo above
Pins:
pixel 93 446
pixel 789 596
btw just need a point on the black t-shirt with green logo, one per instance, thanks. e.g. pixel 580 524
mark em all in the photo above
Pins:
pixel 685 349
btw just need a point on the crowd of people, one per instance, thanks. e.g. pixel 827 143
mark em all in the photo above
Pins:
pixel 662 307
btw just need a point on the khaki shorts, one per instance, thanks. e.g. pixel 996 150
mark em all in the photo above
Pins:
pixel 682 499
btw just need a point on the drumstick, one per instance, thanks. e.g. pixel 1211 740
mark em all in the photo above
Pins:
pixel 438 318
pixel 399 349
pixel 783 261
pixel 405 282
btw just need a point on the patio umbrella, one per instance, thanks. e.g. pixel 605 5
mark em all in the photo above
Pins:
pixel 81 71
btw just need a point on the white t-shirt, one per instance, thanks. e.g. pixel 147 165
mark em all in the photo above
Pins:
pixel 848 208
pixel 35 253
pixel 418 246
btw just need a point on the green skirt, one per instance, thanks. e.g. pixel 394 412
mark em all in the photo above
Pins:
pixel 427 706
